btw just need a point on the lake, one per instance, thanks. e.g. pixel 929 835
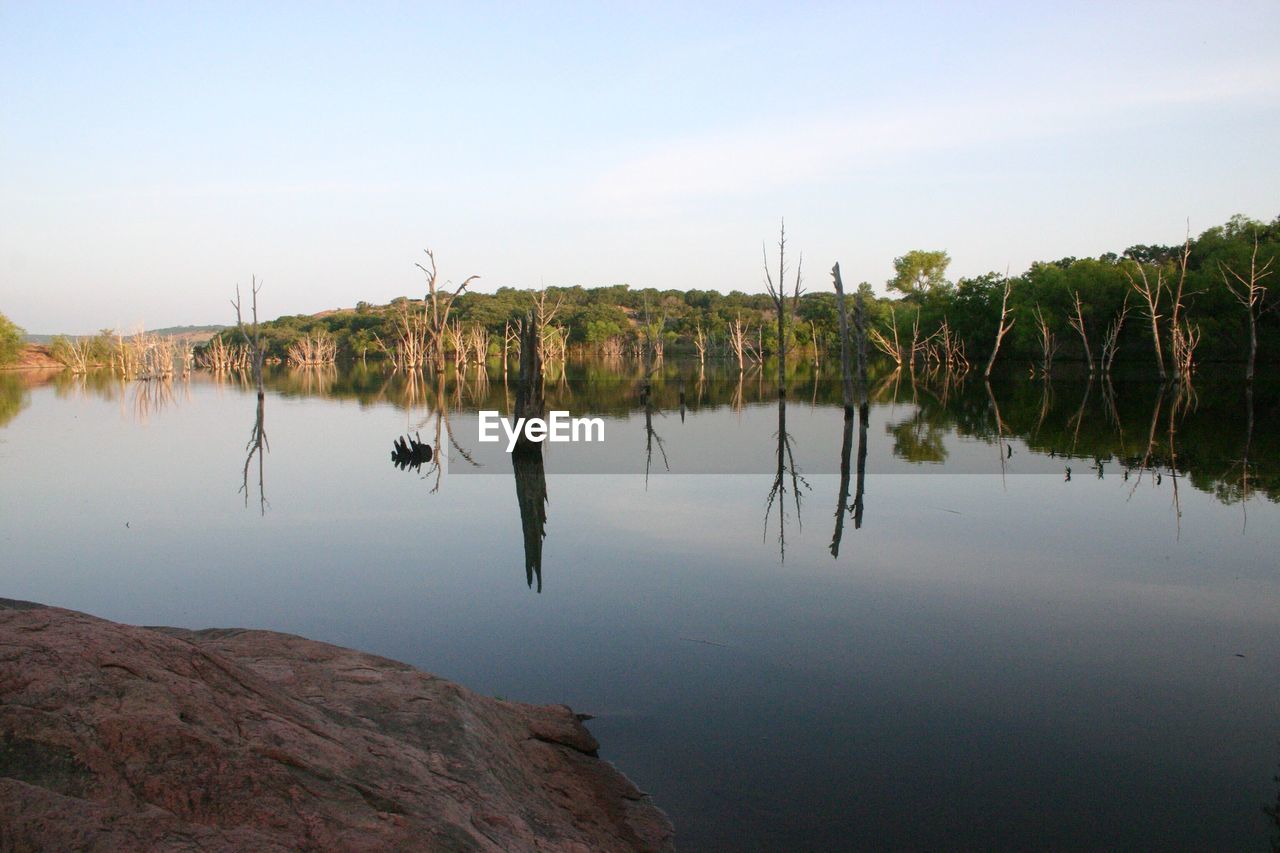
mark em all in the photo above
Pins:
pixel 1038 615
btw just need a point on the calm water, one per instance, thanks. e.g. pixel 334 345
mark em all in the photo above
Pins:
pixel 999 654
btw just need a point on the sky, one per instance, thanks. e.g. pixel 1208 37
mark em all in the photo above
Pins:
pixel 155 155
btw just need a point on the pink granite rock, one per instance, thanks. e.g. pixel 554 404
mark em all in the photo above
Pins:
pixel 115 737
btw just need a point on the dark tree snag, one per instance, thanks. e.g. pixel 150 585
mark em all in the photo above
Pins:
pixel 778 293
pixel 846 376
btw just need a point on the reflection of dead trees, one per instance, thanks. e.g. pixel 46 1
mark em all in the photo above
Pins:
pixel 258 447
pixel 526 457
pixel 1251 294
pixel 1005 451
pixel 531 494
pixel 842 505
pixel 786 476
pixel 1173 464
pixel 410 454
pixel 1145 464
pixel 1242 486
pixel 1046 404
pixel 151 398
pixel 1078 418
pixel 314 380
pixel 651 437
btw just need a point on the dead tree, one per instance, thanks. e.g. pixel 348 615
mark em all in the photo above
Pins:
pixel 1077 322
pixel 1048 342
pixel 700 342
pixel 860 332
pixel 436 307
pixel 1006 323
pixel 529 397
pixel 738 340
pixel 1183 336
pixel 778 293
pixel 893 348
pixel 258 437
pixel 1250 293
pixel 1150 293
pixel 1111 340
pixel 846 374
pixel 253 342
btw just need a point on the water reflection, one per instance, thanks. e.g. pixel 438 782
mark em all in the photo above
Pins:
pixel 786 477
pixel 257 447
pixel 14 397
pixel 651 437
pixel 531 494
pixel 410 454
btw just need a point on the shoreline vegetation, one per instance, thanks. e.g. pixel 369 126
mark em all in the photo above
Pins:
pixel 1167 308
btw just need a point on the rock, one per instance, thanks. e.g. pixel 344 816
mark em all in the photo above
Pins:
pixel 117 737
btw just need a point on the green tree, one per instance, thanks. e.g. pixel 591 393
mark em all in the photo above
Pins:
pixel 10 340
pixel 919 272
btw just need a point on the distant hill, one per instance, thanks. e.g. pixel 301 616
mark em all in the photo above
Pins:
pixel 194 333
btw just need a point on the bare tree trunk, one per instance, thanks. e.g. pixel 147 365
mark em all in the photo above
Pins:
pixel 846 375
pixel 254 342
pixel 1077 323
pixel 1111 340
pixel 778 293
pixel 529 398
pixel 1150 294
pixel 1252 295
pixel 860 329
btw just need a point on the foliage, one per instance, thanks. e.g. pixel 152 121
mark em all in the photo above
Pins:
pixel 919 272
pixel 10 340
pixel 622 316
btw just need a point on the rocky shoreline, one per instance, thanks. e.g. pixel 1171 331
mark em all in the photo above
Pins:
pixel 119 737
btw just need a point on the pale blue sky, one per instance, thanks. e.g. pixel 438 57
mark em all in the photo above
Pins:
pixel 154 155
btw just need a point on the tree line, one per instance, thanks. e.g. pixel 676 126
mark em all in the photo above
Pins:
pixel 1162 307
pixel 1167 307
